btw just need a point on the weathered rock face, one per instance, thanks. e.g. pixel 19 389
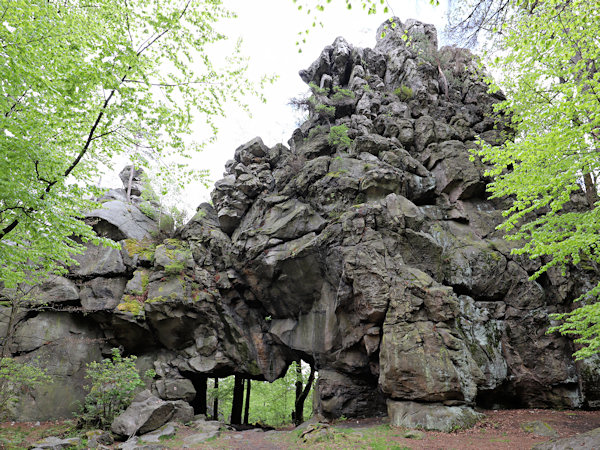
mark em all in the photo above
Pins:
pixel 367 248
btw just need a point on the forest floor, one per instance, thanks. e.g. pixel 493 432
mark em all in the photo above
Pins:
pixel 498 430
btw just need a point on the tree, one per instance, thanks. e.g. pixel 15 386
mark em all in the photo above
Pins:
pixel 301 393
pixel 551 78
pixel 16 378
pixel 82 80
pixel 238 400
pixel 215 415
pixel 247 402
pixel 113 385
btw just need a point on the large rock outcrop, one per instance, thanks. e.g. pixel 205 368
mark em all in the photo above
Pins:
pixel 367 248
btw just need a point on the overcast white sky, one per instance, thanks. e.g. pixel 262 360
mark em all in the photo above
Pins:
pixel 269 31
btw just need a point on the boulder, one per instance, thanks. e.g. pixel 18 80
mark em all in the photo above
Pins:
pixel 55 289
pixel 175 389
pixel 127 220
pixel 146 413
pixel 539 428
pixel 166 431
pixel 98 261
pixel 102 294
pixel 583 440
pixel 56 443
pixel 431 416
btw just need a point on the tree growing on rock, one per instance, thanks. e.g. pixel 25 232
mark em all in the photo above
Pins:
pixel 551 80
pixel 80 84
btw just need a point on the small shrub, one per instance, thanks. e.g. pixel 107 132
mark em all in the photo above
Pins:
pixel 338 135
pixel 328 112
pixel 317 90
pixel 404 93
pixel 340 93
pixel 113 385
pixel 148 210
pixel 166 224
pixel 17 378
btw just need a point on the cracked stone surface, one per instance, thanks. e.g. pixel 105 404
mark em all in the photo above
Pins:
pixel 379 262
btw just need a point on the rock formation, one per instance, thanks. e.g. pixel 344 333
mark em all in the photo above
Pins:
pixel 366 247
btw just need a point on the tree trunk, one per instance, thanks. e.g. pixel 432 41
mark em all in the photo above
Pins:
pixel 216 401
pixel 247 406
pixel 299 407
pixel 199 402
pixel 238 400
pixel 295 417
pixel 591 194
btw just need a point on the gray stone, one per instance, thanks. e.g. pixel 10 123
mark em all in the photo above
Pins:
pixel 413 434
pixel 175 389
pixel 380 260
pixel 98 261
pixel 62 344
pixel 127 219
pixel 198 438
pixel 54 290
pixel 102 294
pixel 583 440
pixel 206 426
pixel 431 416
pixel 55 443
pixel 143 416
pixel 539 428
pixel 98 439
pixel 132 444
pixel 184 412
pixel 165 431
pixel 132 182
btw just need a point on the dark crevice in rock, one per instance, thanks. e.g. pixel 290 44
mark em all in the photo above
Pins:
pixel 200 385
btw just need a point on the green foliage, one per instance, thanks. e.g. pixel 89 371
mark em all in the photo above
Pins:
pixel 327 112
pixel 17 378
pixel 338 135
pixel 82 85
pixel 404 93
pixel 340 93
pixel 113 385
pixel 584 323
pixel 270 403
pixel 174 269
pixel 316 90
pixel 552 83
pixel 163 208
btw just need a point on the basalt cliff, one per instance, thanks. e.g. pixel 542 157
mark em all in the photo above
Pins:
pixel 367 247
